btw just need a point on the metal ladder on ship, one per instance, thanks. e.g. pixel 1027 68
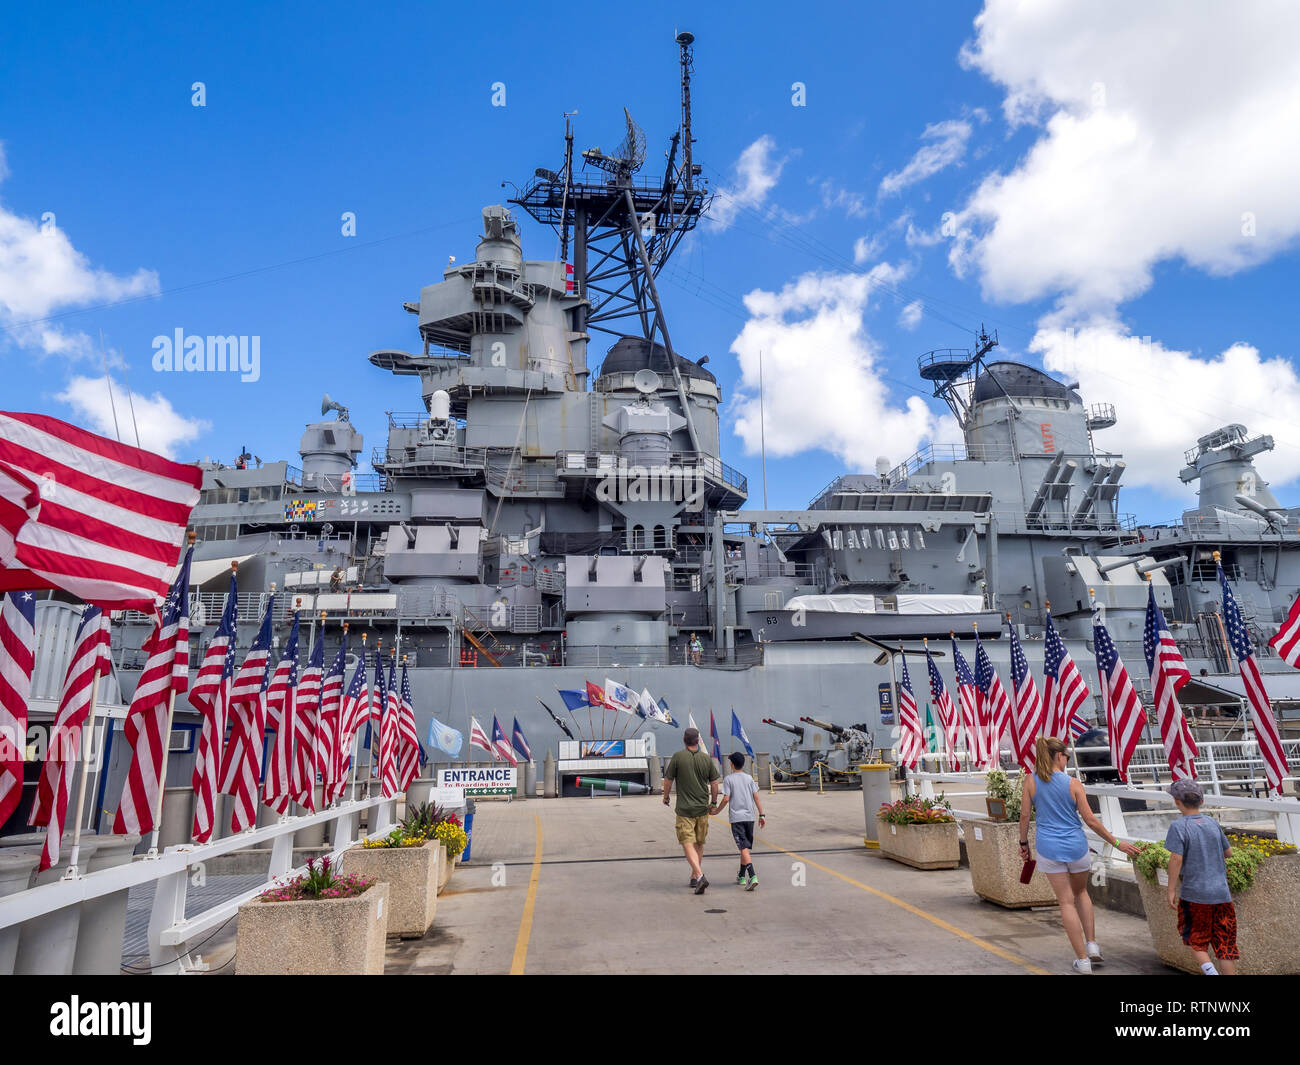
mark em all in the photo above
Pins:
pixel 488 644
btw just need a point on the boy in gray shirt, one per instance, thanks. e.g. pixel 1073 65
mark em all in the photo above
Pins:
pixel 741 791
pixel 1198 848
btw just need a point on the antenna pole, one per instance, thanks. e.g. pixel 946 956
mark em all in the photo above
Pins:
pixel 108 378
pixel 686 39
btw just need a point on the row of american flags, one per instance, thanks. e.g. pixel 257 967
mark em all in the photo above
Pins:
pixel 986 715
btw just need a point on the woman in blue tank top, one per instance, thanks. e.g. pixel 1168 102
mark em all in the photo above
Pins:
pixel 1061 810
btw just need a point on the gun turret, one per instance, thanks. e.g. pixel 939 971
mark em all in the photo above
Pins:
pixel 837 731
pixel 782 725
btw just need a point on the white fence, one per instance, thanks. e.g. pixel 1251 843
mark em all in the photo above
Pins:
pixel 172 873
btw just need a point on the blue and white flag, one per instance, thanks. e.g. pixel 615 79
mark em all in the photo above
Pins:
pixel 620 697
pixel 521 742
pixel 444 737
pixel 574 699
pixel 738 730
pixel 667 717
pixel 647 707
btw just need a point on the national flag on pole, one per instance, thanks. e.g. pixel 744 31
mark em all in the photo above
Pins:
pixel 306 719
pixel 1287 641
pixel 713 731
pixel 241 767
pixel 1261 710
pixel 994 704
pixel 520 742
pixel 378 691
pixel 444 737
pixel 501 745
pixel 353 711
pixel 17 655
pixel 210 697
pixel 969 703
pixel 281 711
pixel 99 519
pixel 942 703
pixel 390 735
pixel 478 738
pixel 646 707
pixel 1168 674
pixel 620 697
pixel 1064 691
pixel 690 721
pixel 562 725
pixel 408 755
pixel 738 730
pixel 166 673
pixel 1029 713
pixel 329 735
pixel 91 659
pixel 911 740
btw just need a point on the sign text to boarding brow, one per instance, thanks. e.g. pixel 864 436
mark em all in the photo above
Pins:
pixel 493 780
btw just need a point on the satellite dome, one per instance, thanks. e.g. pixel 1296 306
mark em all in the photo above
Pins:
pixel 1014 379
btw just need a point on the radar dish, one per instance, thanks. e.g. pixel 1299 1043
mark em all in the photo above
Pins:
pixel 629 156
pixel 646 381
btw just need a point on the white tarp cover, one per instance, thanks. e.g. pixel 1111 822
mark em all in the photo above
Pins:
pixel 838 604
pixel 936 604
pixel 204 570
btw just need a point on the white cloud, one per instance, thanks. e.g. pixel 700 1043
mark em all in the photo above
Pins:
pixel 1164 399
pixel 835 196
pixel 823 385
pixel 910 316
pixel 42 274
pixel 756 174
pixel 161 427
pixel 1166 127
pixel 867 248
pixel 947 144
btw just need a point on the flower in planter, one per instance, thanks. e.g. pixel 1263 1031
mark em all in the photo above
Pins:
pixel 399 837
pixel 452 836
pixel 318 882
pixel 997 785
pixel 1249 852
pixel 913 810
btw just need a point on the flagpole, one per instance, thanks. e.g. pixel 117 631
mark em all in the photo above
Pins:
pixel 87 742
pixel 353 746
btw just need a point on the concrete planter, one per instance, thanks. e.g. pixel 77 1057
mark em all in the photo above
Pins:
pixel 412 877
pixel 921 846
pixel 317 937
pixel 1268 921
pixel 993 850
pixel 445 866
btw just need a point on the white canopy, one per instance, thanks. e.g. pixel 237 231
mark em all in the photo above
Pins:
pixel 837 604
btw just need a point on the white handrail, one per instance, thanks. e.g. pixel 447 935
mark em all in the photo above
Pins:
pixel 169 928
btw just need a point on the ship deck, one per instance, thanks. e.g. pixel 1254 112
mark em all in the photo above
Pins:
pixel 598 886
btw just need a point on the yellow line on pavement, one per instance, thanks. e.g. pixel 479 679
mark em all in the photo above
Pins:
pixel 1006 955
pixel 530 901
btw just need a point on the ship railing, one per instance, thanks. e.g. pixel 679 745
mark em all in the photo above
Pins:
pixel 171 873
pixel 607 463
pixel 626 655
pixel 1230 771
pixel 430 454
pixel 334 482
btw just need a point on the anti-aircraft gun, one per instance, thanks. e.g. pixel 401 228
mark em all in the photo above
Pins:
pixel 851 746
pixel 839 750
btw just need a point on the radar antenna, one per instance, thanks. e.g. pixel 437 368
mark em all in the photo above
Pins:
pixel 630 157
pixel 952 371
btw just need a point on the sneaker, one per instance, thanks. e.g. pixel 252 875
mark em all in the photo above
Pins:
pixel 1082 965
pixel 1094 954
pixel 740 878
pixel 753 882
pixel 699 888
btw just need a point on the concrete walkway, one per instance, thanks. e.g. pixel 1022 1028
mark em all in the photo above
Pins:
pixel 609 895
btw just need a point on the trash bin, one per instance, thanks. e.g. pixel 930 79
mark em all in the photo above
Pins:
pixel 875 792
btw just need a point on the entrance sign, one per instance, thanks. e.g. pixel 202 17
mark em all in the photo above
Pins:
pixel 489 780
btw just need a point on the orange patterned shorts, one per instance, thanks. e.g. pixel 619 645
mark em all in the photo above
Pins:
pixel 1209 926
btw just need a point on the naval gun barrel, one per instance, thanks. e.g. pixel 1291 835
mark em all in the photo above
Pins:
pixel 1259 508
pixel 622 787
pixel 1145 567
pixel 783 725
pixel 834 730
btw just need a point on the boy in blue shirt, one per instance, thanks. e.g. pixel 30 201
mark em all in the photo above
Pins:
pixel 1198 849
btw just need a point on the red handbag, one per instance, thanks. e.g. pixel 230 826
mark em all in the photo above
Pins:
pixel 1027 870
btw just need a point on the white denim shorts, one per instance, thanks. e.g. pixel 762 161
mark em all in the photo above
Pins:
pixel 1046 865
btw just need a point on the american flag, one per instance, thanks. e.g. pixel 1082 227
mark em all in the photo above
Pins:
pixel 329 731
pixel 969 703
pixel 1064 691
pixel 390 734
pixel 478 738
pixel 942 702
pixel 351 712
pixel 17 654
pixel 911 741
pixel 1261 711
pixel 241 767
pixel 90 660
pixel 281 700
pixel 1287 640
pixel 1168 674
pixel 1028 719
pixel 166 672
pixel 995 704
pixel 501 744
pixel 521 741
pixel 96 518
pixel 408 759
pixel 209 697
pixel 306 717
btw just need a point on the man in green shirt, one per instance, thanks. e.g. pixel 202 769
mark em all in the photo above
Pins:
pixel 697 778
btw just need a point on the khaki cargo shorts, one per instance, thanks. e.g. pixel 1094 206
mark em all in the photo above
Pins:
pixel 692 829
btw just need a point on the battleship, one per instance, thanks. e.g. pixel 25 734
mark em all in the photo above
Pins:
pixel 556 509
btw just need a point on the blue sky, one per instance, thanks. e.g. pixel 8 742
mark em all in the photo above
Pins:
pixel 225 219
